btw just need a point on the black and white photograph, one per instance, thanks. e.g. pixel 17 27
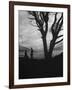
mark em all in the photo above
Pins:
pixel 39 44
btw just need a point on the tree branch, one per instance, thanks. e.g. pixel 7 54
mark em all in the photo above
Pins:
pixel 58 41
pixel 59 36
pixel 46 22
pixel 37 18
pixel 59 28
pixel 31 18
pixel 41 18
pixel 61 18
pixel 54 21
pixel 53 25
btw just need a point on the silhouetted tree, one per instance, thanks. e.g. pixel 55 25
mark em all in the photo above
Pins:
pixel 42 20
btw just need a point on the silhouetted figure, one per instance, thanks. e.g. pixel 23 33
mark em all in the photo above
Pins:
pixel 31 53
pixel 25 56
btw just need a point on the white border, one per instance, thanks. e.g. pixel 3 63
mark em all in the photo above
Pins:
pixel 16 62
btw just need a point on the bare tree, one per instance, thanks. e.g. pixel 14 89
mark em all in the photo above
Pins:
pixel 42 20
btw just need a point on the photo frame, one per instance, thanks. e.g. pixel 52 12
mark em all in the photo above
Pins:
pixel 39 44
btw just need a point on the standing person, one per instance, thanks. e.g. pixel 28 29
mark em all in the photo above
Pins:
pixel 31 53
pixel 25 56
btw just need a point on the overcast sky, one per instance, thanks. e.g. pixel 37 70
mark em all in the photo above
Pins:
pixel 29 36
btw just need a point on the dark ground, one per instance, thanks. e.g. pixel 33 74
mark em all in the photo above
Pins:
pixel 41 68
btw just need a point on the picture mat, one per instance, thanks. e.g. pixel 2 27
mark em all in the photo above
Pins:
pixel 16 53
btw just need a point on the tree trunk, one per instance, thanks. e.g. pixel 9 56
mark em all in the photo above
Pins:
pixel 52 44
pixel 45 47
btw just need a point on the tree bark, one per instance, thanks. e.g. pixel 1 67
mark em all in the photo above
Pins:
pixel 45 47
pixel 50 51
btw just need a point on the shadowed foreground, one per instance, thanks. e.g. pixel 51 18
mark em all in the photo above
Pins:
pixel 32 68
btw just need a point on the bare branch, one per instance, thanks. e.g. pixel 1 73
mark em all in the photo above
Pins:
pixel 61 18
pixel 54 21
pixel 59 36
pixel 37 18
pixel 31 18
pixel 58 41
pixel 60 25
pixel 57 32
pixel 46 28
pixel 41 18
pixel 53 25
pixel 46 22
pixel 61 29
